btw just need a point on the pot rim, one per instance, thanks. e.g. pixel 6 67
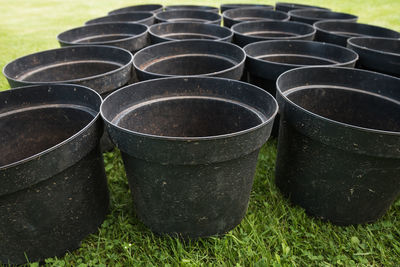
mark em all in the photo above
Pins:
pixel 233 28
pixel 71 80
pixel 157 15
pixel 321 44
pixel 317 26
pixel 300 6
pixel 331 121
pixel 151 29
pixel 198 138
pixel 89 22
pixel 105 24
pixel 69 139
pixel 191 7
pixel 127 7
pixel 351 40
pixel 295 15
pixel 240 5
pixel 191 40
pixel 271 11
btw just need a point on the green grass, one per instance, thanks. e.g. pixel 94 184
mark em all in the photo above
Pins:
pixel 273 233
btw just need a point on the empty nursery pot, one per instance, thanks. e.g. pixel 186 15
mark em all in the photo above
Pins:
pixel 225 7
pixel 268 59
pixel 311 16
pixel 193 7
pixel 339 142
pixel 189 58
pixel 170 31
pixel 286 7
pixel 255 31
pixel 190 148
pixel 53 189
pixel 141 8
pixel 234 16
pixel 188 15
pixel 102 68
pixel 130 36
pixel 377 54
pixel 337 32
pixel 146 18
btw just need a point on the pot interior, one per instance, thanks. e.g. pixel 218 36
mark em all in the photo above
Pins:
pixel 350 106
pixel 189 35
pixel 29 131
pixel 102 38
pixel 70 70
pixel 383 45
pixel 271 34
pixel 188 116
pixel 295 59
pixel 188 20
pixel 189 64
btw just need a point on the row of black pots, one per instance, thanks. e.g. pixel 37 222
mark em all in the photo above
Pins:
pixel 232 14
pixel 155 8
pixel 169 128
pixel 337 157
pixel 54 190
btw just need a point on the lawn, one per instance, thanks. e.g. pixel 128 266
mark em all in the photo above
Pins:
pixel 274 232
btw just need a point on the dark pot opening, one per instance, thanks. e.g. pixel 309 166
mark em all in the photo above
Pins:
pixel 358 108
pixel 74 70
pixel 183 65
pixel 22 136
pixel 190 57
pixel 286 7
pixel 377 54
pixel 187 15
pixel 311 16
pixel 181 31
pixel 146 8
pixel 146 18
pixel 189 117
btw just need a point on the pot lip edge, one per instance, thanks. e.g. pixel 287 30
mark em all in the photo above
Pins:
pixel 331 121
pixel 364 48
pixel 72 81
pixel 110 43
pixel 197 23
pixel 65 141
pixel 193 139
pixel 209 74
pixel 304 42
pixel 316 25
pixel 133 21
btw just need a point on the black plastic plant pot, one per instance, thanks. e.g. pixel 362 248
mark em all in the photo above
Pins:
pixel 339 142
pixel 130 36
pixel 102 68
pixel 337 32
pixel 377 54
pixel 141 8
pixel 286 7
pixel 190 148
pixel 234 16
pixel 311 16
pixel 53 189
pixel 225 7
pixel 193 7
pixel 190 58
pixel 188 15
pixel 256 31
pixel 170 31
pixel 268 59
pixel 146 18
